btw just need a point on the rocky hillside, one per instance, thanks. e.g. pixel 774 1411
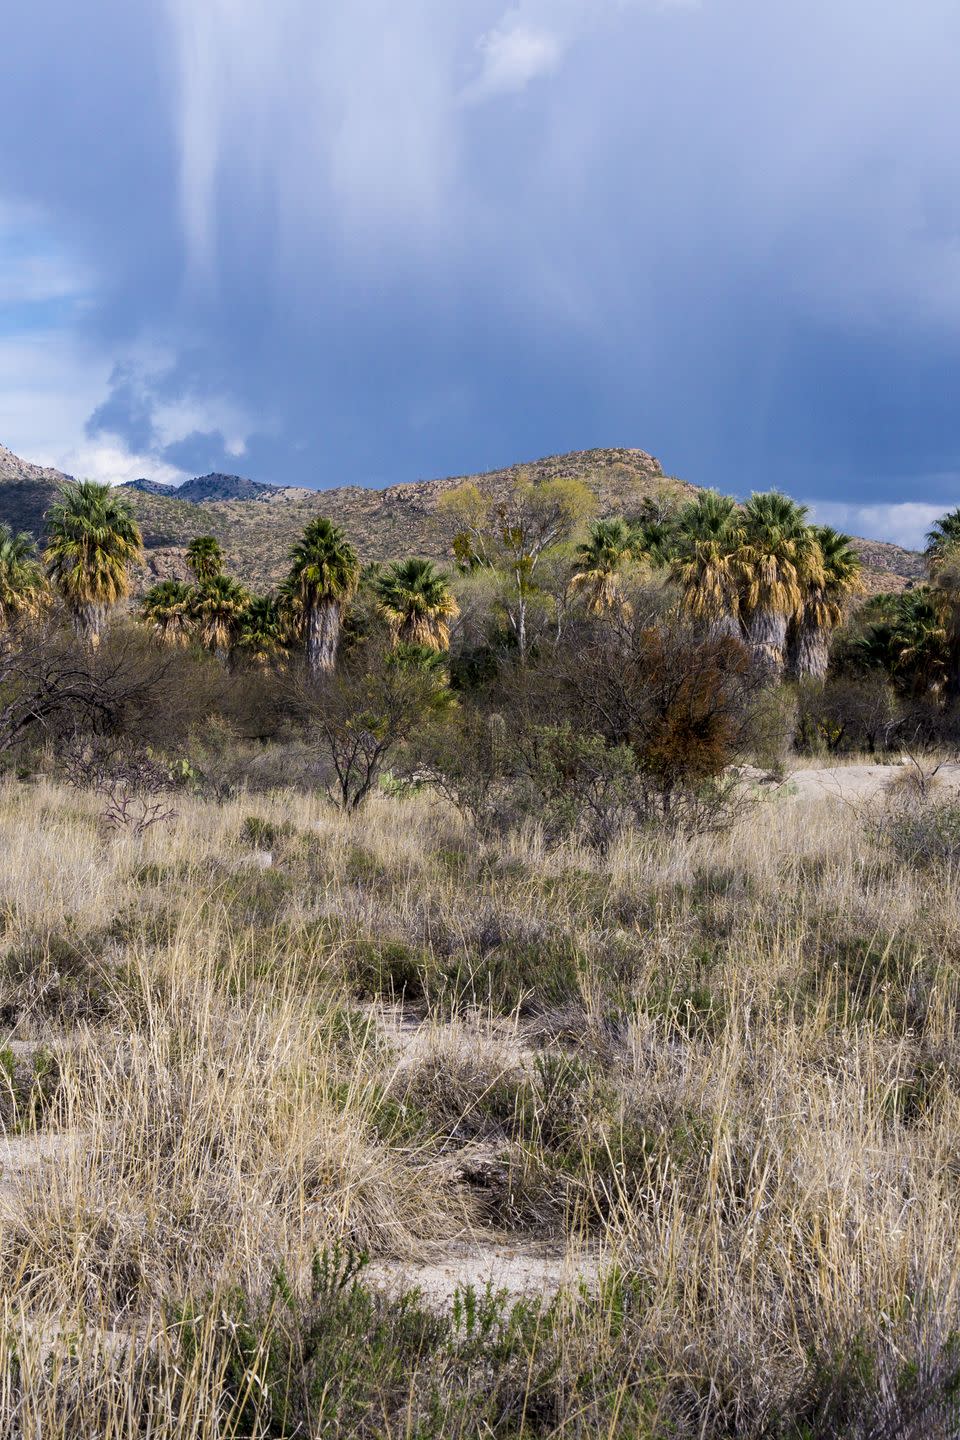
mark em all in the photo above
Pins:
pixel 400 520
pixel 890 567
pixel 257 523
pixel 25 491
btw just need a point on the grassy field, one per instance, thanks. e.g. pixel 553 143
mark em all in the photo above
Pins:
pixel 713 1085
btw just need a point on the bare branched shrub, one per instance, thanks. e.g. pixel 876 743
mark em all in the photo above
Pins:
pixel 358 719
pixel 133 786
pixel 848 715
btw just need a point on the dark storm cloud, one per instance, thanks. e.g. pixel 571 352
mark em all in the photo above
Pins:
pixel 365 242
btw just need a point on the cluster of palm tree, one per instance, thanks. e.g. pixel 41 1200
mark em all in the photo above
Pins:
pixel 93 542
pixel 760 571
pixel 217 612
pixel 914 637
pixel 903 637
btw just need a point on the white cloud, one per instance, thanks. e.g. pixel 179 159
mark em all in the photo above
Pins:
pixel 49 384
pixel 34 279
pixel 174 420
pixel 905 523
pixel 513 54
pixel 109 460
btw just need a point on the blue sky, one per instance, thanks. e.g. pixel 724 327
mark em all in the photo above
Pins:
pixel 333 242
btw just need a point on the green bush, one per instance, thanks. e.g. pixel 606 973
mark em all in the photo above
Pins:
pixel 522 976
pixel 29 1087
pixel 348 1362
pixel 387 969
pixel 68 980
pixel 925 835
pixel 264 834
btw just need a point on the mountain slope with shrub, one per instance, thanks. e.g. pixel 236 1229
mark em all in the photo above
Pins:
pixel 257 523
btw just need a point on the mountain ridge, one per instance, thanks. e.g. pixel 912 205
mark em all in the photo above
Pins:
pixel 215 486
pixel 256 522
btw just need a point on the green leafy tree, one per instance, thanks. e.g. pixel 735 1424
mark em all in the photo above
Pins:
pixel 324 576
pixel 92 540
pixel 205 558
pixel 512 533
pixel 368 711
pixel 23 588
pixel 166 608
pixel 828 588
pixel 416 602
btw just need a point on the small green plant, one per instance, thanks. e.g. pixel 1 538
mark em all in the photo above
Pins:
pixel 263 834
pixel 29 1087
pixel 387 969
pixel 924 835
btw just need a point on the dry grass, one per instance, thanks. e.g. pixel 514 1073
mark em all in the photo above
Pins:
pixel 728 1071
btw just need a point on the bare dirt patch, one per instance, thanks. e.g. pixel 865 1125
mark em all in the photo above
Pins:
pixel 530 1270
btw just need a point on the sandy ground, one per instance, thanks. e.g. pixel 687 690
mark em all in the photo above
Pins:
pixel 535 1271
pixel 20 1153
pixel 858 782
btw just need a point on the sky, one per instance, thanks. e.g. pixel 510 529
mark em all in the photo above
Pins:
pixel 326 242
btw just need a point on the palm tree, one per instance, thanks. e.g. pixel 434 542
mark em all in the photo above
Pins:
pixel 166 608
pixel 943 539
pixel 827 590
pixel 22 581
pixel 262 633
pixel 416 602
pixel 654 540
pixel 905 636
pixel 705 562
pixel 943 559
pixel 920 644
pixel 654 530
pixel 217 608
pixel 779 561
pixel 92 540
pixel 323 579
pixel 600 560
pixel 205 557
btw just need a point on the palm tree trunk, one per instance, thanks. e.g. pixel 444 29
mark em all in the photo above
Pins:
pixel 726 624
pixel 89 622
pixel 323 636
pixel 812 656
pixel 767 638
